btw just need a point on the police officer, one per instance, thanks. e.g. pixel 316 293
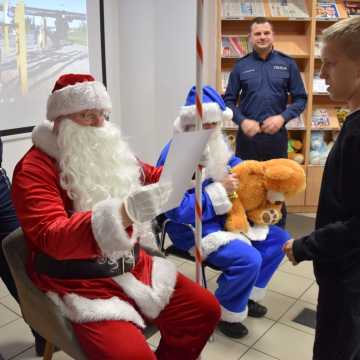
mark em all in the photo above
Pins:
pixel 8 223
pixel 263 80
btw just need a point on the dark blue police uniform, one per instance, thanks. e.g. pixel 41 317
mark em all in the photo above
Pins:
pixel 263 87
pixel 8 223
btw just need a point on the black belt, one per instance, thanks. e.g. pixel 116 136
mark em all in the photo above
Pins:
pixel 85 269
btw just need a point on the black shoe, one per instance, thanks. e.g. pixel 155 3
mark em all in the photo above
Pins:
pixel 234 330
pixel 255 309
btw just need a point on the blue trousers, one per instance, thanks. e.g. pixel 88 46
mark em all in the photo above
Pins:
pixel 8 223
pixel 244 266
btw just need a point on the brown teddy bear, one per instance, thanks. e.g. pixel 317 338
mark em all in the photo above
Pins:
pixel 264 186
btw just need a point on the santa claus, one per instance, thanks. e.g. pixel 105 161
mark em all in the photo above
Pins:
pixel 77 193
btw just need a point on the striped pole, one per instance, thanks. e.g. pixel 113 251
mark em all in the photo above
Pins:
pixel 199 117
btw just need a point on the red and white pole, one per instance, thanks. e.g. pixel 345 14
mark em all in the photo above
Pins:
pixel 199 118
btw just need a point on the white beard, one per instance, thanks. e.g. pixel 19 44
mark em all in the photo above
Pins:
pixel 220 154
pixel 95 164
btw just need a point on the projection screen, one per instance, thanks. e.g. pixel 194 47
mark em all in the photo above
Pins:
pixel 40 40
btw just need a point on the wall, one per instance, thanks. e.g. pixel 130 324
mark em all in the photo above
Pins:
pixel 157 66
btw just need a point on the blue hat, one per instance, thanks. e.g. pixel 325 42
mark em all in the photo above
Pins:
pixel 214 108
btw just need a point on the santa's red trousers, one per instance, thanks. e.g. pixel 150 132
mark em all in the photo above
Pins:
pixel 185 325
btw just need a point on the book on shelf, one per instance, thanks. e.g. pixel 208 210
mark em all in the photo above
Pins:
pixel 318 46
pixel 235 46
pixel 352 8
pixel 224 79
pixel 320 118
pixel 327 10
pixel 319 85
pixel 296 123
pixel 237 9
pixel 289 8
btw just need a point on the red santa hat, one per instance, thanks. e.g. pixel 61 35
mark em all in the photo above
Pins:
pixel 76 92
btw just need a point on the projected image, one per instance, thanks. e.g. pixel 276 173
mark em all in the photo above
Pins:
pixel 39 40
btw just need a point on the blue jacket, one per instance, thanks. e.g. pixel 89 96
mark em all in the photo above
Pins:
pixel 1 150
pixel 263 86
pixel 181 236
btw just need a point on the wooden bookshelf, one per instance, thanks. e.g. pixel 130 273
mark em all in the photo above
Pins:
pixel 294 36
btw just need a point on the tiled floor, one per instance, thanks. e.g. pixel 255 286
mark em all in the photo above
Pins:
pixel 274 337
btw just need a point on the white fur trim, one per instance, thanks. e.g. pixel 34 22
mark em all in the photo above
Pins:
pixel 108 230
pixel 257 294
pixel 212 113
pixel 74 98
pixel 219 199
pixel 227 114
pixel 151 300
pixel 44 139
pixel 274 196
pixel 215 240
pixel 233 317
pixel 79 309
pixel 177 126
pixel 258 232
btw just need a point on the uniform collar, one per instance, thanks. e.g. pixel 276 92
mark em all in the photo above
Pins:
pixel 256 55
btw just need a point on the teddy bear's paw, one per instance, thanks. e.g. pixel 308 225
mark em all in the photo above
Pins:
pixel 270 216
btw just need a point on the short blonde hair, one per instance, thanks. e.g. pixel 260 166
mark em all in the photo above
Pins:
pixel 347 34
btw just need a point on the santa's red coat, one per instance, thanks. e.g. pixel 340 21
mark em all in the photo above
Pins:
pixel 51 226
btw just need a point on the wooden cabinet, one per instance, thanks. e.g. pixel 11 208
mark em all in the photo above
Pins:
pixel 297 36
pixel 314 176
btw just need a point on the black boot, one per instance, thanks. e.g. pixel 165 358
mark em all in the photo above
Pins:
pixel 255 309
pixel 234 330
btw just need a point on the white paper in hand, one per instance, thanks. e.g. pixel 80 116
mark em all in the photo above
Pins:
pixel 183 157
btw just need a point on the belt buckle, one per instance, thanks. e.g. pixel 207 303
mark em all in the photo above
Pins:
pixel 129 259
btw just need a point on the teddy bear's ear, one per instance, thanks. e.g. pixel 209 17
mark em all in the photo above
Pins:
pixel 279 172
pixel 251 167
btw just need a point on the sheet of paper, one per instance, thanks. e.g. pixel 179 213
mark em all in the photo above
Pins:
pixel 183 157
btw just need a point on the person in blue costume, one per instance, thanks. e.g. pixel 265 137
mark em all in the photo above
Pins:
pixel 247 261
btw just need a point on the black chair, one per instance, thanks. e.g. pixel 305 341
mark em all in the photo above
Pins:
pixel 160 230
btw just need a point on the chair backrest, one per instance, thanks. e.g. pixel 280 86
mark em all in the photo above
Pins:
pixel 37 309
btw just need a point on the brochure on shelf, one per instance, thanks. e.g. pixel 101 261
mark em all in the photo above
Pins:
pixel 352 8
pixel 237 9
pixel 327 10
pixel 289 8
pixel 319 85
pixel 320 118
pixel 296 123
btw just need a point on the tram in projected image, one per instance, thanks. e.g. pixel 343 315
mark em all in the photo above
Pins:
pixel 39 40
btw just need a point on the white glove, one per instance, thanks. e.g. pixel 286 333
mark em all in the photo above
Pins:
pixel 146 203
pixel 205 157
